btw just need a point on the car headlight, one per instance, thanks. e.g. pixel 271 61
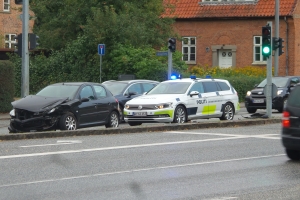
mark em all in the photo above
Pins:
pixel 127 106
pixel 248 93
pixel 279 92
pixel 52 110
pixel 12 113
pixel 163 105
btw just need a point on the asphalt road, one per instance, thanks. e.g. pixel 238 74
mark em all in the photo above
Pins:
pixel 243 114
pixel 211 164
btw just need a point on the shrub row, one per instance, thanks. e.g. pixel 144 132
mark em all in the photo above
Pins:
pixel 7 89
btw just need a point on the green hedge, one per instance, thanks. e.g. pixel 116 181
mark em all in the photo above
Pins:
pixel 7 87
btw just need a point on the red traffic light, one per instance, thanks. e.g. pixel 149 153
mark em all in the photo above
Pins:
pixel 266 30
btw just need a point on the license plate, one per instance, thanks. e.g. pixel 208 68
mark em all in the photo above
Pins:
pixel 139 113
pixel 258 100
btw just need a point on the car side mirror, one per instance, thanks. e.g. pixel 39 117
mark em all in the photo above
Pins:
pixel 193 93
pixel 84 99
pixel 255 85
pixel 131 93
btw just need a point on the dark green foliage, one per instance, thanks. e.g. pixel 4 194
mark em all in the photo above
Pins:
pixel 7 88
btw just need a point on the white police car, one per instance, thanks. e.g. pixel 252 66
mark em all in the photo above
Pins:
pixel 182 100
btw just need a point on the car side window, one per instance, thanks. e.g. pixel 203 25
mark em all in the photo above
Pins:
pixel 223 86
pixel 100 91
pixel 135 88
pixel 210 87
pixel 87 92
pixel 294 81
pixel 197 87
pixel 148 86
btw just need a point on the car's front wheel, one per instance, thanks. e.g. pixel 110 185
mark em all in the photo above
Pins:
pixel 251 110
pixel 113 120
pixel 180 115
pixel 228 112
pixel 68 122
pixel 293 154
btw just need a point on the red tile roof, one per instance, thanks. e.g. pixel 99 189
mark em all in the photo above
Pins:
pixel 198 9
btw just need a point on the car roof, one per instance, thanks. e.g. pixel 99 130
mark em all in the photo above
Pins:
pixel 190 80
pixel 74 83
pixel 132 81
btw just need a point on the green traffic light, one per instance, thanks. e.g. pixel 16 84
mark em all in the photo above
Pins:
pixel 266 50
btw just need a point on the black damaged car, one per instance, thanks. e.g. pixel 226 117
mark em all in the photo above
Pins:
pixel 65 106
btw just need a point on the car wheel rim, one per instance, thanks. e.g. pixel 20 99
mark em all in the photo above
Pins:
pixel 70 123
pixel 180 115
pixel 228 112
pixel 114 120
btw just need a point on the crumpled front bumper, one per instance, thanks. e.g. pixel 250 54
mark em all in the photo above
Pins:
pixel 41 123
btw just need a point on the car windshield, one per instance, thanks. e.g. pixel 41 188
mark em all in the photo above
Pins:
pixel 62 91
pixel 278 81
pixel 115 87
pixel 170 88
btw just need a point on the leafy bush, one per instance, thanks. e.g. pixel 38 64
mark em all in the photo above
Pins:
pixel 7 88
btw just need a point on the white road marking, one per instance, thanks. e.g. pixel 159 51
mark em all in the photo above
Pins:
pixel 139 170
pixel 59 142
pixel 117 147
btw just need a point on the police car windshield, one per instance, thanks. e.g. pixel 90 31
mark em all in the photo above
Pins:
pixel 278 81
pixel 170 88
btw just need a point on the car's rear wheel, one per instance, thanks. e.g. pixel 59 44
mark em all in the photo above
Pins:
pixel 228 112
pixel 293 154
pixel 251 110
pixel 113 120
pixel 68 122
pixel 134 123
pixel 180 115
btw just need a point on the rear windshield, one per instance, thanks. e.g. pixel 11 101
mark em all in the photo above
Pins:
pixel 293 99
pixel 115 87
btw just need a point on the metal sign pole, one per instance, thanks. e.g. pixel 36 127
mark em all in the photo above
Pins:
pixel 100 67
pixel 25 52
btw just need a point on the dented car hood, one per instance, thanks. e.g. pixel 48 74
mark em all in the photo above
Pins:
pixel 34 103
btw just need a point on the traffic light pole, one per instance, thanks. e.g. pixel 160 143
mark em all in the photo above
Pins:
pixel 25 52
pixel 269 82
pixel 276 55
pixel 169 64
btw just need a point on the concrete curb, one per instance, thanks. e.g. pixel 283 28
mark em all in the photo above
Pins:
pixel 165 127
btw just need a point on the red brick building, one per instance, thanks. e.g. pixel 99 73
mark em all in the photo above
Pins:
pixel 10 25
pixel 228 33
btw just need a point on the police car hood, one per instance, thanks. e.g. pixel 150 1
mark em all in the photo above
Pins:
pixel 155 99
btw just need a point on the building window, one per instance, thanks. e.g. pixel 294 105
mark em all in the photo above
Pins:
pixel 10 41
pixel 6 5
pixel 189 50
pixel 257 50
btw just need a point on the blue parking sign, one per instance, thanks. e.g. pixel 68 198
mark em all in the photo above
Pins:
pixel 101 49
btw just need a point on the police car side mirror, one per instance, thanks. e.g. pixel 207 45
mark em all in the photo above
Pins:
pixel 193 93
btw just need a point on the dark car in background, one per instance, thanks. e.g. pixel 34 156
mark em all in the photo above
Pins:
pixel 65 106
pixel 256 99
pixel 126 90
pixel 291 125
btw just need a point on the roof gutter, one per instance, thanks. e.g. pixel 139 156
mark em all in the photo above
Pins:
pixel 286 48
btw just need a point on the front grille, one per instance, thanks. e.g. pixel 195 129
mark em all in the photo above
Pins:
pixel 144 107
pixel 23 114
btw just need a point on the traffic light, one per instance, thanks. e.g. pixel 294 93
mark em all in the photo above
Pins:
pixel 172 44
pixel 32 41
pixel 266 41
pixel 275 43
pixel 280 52
pixel 18 2
pixel 18 44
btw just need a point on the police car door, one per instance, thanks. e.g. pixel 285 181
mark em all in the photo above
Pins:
pixel 211 93
pixel 196 101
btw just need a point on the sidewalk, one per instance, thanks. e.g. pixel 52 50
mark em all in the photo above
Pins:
pixel 5 116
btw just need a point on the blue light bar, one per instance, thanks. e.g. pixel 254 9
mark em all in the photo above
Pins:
pixel 173 77
pixel 193 77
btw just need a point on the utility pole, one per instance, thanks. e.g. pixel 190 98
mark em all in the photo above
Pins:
pixel 276 55
pixel 25 51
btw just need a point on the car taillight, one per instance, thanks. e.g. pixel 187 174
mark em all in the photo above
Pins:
pixel 286 119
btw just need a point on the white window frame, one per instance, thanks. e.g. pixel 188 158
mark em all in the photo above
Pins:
pixel 257 51
pixel 11 41
pixel 187 44
pixel 6 3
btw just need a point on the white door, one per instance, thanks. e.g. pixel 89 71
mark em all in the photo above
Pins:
pixel 225 58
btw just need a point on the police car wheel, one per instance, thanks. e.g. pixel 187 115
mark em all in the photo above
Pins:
pixel 228 112
pixel 180 115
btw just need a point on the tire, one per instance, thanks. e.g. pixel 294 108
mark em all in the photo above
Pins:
pixel 134 123
pixel 228 112
pixel 293 154
pixel 68 122
pixel 251 110
pixel 113 120
pixel 122 114
pixel 180 115
pixel 283 105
